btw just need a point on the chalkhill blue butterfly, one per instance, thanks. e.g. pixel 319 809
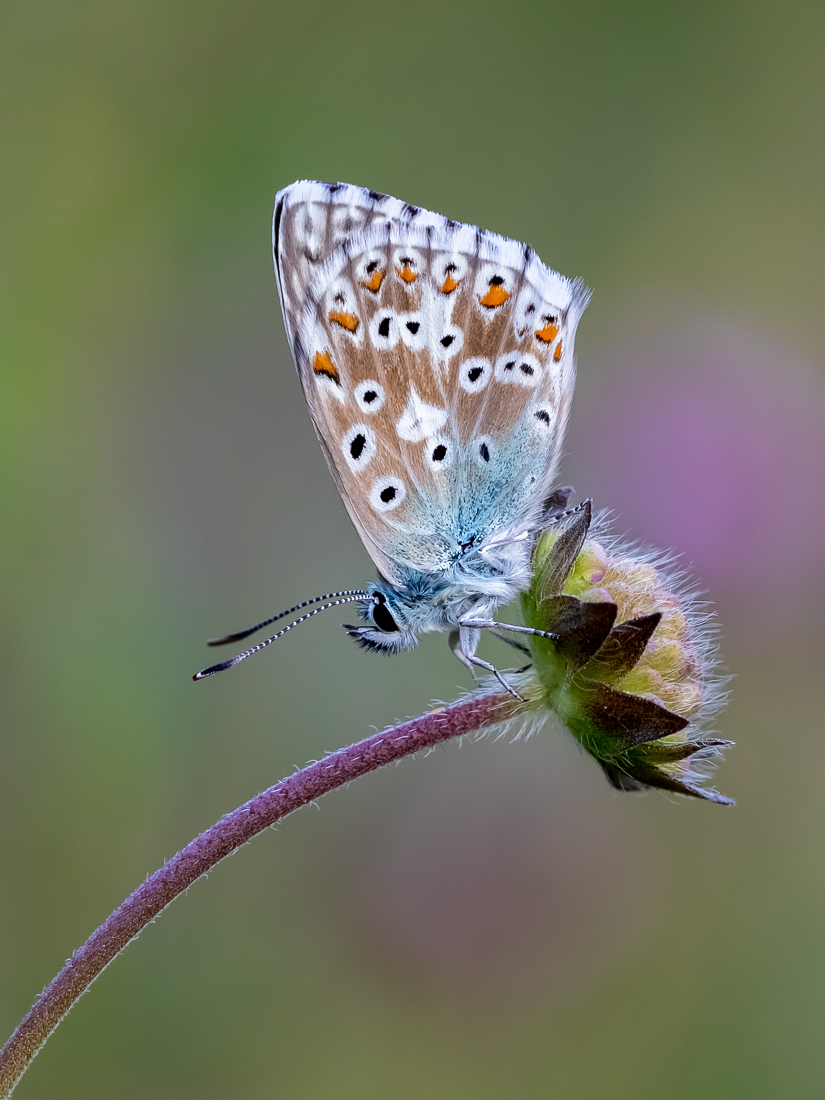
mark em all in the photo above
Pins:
pixel 437 363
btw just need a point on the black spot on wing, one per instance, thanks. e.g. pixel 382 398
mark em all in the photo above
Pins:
pixel 409 210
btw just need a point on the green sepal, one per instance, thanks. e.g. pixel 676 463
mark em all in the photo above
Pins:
pixel 635 777
pixel 622 720
pixel 668 752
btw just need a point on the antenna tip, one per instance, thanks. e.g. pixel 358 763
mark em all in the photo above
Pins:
pixel 214 668
pixel 227 638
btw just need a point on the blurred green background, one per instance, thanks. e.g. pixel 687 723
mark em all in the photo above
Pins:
pixel 492 920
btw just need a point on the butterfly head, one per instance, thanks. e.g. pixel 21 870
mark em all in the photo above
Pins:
pixel 388 616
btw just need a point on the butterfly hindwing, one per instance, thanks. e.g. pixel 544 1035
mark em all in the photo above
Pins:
pixel 437 362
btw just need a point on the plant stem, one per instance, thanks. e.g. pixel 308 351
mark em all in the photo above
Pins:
pixel 219 841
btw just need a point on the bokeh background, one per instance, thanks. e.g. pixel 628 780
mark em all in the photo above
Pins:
pixel 492 920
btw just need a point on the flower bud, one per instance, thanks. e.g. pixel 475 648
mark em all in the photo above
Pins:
pixel 630 663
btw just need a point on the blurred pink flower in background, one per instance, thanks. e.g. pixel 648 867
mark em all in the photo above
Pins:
pixel 708 439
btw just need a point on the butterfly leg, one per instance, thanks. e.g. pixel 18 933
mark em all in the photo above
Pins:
pixel 499 676
pixel 454 642
pixel 490 624
pixel 463 643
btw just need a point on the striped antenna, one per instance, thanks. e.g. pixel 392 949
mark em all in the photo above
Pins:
pixel 262 645
pixel 228 638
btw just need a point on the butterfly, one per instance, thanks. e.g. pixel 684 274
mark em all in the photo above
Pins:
pixel 437 362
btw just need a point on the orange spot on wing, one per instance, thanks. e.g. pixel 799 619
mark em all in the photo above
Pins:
pixel 449 285
pixel 548 334
pixel 375 281
pixel 346 320
pixel 557 353
pixel 407 274
pixel 495 296
pixel 324 365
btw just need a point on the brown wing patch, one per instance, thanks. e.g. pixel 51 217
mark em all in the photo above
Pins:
pixel 510 395
pixel 308 233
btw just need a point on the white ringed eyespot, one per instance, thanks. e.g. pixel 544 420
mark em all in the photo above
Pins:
pixel 474 374
pixel 358 446
pixel 369 396
pixel 387 493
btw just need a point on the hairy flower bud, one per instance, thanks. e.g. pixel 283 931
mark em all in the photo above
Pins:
pixel 631 662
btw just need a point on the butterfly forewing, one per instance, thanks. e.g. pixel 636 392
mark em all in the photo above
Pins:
pixel 437 362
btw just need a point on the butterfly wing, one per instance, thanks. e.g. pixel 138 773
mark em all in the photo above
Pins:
pixel 437 363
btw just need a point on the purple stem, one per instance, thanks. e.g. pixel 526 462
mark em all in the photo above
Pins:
pixel 219 841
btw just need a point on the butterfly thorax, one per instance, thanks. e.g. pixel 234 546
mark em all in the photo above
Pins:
pixel 421 603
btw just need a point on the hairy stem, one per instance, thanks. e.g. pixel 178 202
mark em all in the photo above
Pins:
pixel 219 841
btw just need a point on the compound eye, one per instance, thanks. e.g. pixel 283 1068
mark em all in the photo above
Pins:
pixel 381 616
